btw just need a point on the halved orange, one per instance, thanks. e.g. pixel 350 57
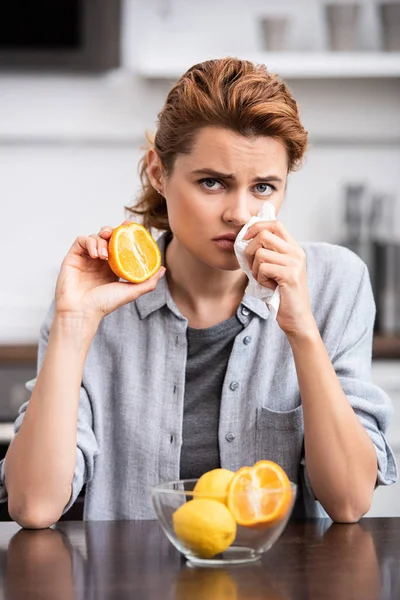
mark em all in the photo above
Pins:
pixel 133 254
pixel 259 496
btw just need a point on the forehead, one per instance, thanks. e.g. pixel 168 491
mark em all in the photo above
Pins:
pixel 227 151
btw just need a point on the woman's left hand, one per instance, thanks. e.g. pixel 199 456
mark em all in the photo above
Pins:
pixel 277 259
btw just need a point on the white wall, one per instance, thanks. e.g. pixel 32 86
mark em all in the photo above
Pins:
pixel 69 145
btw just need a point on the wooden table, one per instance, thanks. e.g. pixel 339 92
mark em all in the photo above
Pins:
pixel 125 559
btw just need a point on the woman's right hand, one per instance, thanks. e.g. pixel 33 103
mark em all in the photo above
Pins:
pixel 86 286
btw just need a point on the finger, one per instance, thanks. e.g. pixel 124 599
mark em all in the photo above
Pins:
pixel 91 245
pixel 126 292
pixel 265 273
pixel 105 232
pixel 79 246
pixel 269 283
pixel 275 227
pixel 281 230
pixel 261 275
pixel 150 284
pixel 101 245
pixel 270 241
pixel 85 246
pixel 269 256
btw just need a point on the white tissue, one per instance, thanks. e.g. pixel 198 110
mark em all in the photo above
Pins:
pixel 270 297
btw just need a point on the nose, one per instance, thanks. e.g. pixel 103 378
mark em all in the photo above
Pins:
pixel 237 212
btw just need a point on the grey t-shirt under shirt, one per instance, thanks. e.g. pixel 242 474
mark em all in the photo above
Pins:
pixel 207 360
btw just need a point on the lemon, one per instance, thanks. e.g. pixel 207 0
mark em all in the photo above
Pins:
pixel 214 484
pixel 206 527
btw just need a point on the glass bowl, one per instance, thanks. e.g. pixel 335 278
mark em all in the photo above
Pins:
pixel 248 543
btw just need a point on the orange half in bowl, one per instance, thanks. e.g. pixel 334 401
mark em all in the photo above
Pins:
pixel 260 496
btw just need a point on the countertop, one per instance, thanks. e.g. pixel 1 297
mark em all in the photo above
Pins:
pixel 126 559
pixel 384 347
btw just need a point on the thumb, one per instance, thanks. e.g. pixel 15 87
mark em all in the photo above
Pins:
pixel 149 285
pixel 127 292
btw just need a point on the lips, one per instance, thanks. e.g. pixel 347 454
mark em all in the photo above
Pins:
pixel 226 241
pixel 227 236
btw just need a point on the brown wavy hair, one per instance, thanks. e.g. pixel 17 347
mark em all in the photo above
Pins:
pixel 229 93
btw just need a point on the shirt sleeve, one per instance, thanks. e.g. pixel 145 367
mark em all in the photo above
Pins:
pixel 87 446
pixel 352 363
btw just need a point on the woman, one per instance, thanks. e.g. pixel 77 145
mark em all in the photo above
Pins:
pixel 184 373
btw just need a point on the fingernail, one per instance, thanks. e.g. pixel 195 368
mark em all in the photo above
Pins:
pixel 95 252
pixel 104 252
pixel 161 272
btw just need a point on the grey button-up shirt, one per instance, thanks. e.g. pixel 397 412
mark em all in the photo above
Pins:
pixel 131 401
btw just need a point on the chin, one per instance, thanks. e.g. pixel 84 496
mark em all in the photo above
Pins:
pixel 226 263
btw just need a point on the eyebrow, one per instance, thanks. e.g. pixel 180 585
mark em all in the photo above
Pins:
pixel 231 177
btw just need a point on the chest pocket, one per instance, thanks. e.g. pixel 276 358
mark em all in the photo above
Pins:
pixel 279 437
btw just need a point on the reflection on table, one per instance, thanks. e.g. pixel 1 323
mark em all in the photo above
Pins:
pixel 124 559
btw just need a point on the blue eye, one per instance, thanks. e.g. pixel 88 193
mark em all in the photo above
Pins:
pixel 206 183
pixel 264 187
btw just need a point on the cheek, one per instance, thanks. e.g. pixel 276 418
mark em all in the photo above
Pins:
pixel 183 212
pixel 188 205
pixel 178 202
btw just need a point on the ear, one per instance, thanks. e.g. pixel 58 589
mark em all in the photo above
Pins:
pixel 155 170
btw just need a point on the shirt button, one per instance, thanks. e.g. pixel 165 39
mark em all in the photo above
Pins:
pixel 245 311
pixel 234 385
pixel 247 340
pixel 230 437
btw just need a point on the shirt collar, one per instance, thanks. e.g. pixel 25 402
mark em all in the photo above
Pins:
pixel 161 296
pixel 255 305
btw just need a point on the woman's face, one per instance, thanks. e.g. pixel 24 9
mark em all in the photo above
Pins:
pixel 213 191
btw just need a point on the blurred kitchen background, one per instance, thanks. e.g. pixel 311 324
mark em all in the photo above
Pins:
pixel 82 80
